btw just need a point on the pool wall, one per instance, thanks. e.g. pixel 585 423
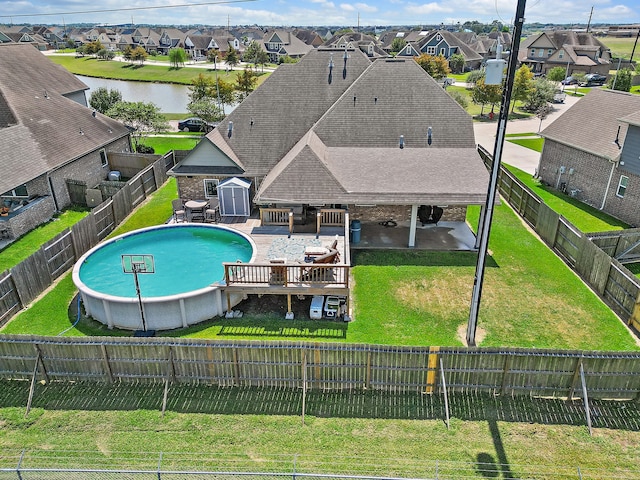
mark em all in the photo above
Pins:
pixel 161 313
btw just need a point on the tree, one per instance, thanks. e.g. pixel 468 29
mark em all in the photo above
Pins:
pixel 287 59
pixel 460 97
pixel 246 82
pixel 397 44
pixel 227 93
pixel 483 94
pixel 127 53
pixel 139 54
pixel 542 93
pixel 202 87
pixel 436 66
pixel 207 109
pixel 214 56
pixel 102 99
pixel 556 74
pixel 473 76
pixel 92 48
pixel 522 85
pixel 232 58
pixel 252 52
pixel 263 58
pixel 177 57
pixel 140 117
pixel 456 63
pixel 621 81
pixel 541 113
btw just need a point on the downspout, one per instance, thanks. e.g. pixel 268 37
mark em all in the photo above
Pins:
pixel 614 163
pixel 53 194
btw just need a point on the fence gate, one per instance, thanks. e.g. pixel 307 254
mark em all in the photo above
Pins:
pixel 77 191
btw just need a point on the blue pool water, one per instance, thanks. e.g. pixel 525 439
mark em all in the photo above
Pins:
pixel 186 257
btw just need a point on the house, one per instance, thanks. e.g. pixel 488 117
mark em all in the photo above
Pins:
pixel 310 37
pixel 366 43
pixel 576 52
pixel 379 137
pixel 48 137
pixel 445 43
pixel 283 43
pixel 170 38
pixel 592 152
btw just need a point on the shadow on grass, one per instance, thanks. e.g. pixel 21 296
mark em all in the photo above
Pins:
pixel 419 258
pixel 356 404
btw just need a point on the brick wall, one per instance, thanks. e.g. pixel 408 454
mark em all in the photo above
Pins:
pixel 401 213
pixel 589 178
pixel 30 216
pixel 88 169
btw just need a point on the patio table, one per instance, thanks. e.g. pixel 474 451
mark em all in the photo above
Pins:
pixel 195 209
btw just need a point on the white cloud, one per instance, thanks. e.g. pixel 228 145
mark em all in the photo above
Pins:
pixel 347 7
pixel 363 7
pixel 428 9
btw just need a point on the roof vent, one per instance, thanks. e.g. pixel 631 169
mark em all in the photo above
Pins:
pixel 93 114
pixel 331 65
pixel 375 100
pixel 354 100
pixel 401 141
pixel 46 94
pixel 345 58
pixel 429 133
pixel 230 130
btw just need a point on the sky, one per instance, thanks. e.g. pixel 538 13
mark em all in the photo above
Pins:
pixel 313 12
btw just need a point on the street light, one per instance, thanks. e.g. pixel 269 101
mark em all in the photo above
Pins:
pixel 487 214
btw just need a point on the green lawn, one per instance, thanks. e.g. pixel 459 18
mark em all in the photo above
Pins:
pixel 162 145
pixel 531 299
pixel 28 244
pixel 531 143
pixel 361 433
pixel 620 47
pixel 588 219
pixel 92 67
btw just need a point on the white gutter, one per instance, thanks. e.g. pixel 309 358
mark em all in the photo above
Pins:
pixel 613 166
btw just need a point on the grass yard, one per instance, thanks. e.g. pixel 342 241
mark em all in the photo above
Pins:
pixel 531 299
pixel 162 145
pixel 361 433
pixel 588 219
pixel 620 47
pixel 531 143
pixel 93 67
pixel 31 242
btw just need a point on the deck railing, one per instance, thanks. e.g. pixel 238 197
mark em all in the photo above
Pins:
pixel 298 275
pixel 274 216
pixel 330 217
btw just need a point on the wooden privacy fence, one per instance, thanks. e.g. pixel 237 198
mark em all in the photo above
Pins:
pixel 23 283
pixel 615 284
pixel 323 366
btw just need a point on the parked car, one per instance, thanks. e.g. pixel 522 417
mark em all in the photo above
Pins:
pixel 593 79
pixel 569 81
pixel 195 124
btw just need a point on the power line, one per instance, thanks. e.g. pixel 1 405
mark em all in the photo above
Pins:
pixel 222 2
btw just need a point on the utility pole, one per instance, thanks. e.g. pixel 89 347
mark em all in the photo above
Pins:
pixel 487 213
pixel 589 23
pixel 633 50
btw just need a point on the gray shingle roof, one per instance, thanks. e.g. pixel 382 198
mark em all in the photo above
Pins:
pixel 338 142
pixel 592 123
pixel 47 125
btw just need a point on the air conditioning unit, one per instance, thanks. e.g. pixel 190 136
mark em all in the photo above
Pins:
pixel 574 192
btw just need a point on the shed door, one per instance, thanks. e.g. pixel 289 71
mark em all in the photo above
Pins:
pixel 234 201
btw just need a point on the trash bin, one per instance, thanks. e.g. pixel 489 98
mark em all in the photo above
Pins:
pixel 355 231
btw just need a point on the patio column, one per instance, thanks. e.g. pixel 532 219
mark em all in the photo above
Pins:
pixel 412 225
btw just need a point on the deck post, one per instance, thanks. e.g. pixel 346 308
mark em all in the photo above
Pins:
pixel 412 225
pixel 444 389
pixel 290 223
pixel 318 222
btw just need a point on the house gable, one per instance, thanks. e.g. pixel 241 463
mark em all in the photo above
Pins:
pixel 205 158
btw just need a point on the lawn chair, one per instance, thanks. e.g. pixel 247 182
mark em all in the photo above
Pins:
pixel 316 274
pixel 179 214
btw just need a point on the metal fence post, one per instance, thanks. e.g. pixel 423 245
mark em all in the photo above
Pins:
pixel 295 458
pixel 20 464
pixel 159 466
pixel 579 474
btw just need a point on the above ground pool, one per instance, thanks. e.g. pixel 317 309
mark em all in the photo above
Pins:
pixel 184 288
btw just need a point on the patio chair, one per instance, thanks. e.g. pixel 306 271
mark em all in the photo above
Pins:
pixel 179 214
pixel 314 274
pixel 278 271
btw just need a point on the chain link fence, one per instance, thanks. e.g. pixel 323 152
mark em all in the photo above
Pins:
pixel 59 465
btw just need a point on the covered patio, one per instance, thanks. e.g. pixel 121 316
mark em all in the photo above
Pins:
pixel 450 236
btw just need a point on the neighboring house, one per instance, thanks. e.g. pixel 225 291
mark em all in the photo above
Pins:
pixel 310 37
pixel 48 136
pixel 198 46
pixel 171 38
pixel 146 38
pixel 282 43
pixel 21 35
pixel 339 131
pixel 365 43
pixel 445 43
pixel 592 152
pixel 576 52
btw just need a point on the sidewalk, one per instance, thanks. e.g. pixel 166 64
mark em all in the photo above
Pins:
pixel 521 157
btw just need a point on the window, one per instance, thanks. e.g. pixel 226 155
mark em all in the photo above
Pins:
pixel 211 187
pixel 103 158
pixel 622 186
pixel 438 37
pixel 549 52
pixel 533 52
pixel 18 192
pixel 442 50
pixel 561 54
pixel 541 52
pixel 431 50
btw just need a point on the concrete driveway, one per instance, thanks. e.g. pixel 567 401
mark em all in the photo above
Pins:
pixel 523 158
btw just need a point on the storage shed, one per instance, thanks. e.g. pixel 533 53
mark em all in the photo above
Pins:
pixel 233 194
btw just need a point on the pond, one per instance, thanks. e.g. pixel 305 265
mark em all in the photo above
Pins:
pixel 170 98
